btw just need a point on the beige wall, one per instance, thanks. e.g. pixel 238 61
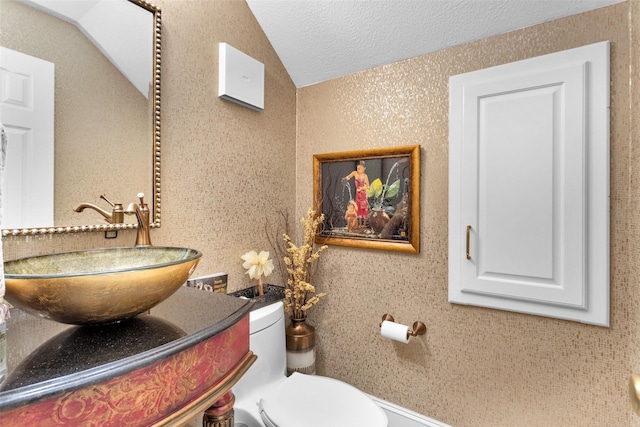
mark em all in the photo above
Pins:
pixel 475 367
pixel 631 277
pixel 226 168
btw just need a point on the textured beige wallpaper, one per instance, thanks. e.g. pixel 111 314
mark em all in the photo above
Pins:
pixel 630 256
pixel 226 169
pixel 475 366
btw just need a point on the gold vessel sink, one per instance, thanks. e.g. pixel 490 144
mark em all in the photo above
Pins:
pixel 99 285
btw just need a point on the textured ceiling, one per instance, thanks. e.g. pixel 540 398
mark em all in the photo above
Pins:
pixel 319 40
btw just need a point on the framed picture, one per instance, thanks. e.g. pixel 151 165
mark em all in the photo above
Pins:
pixel 369 198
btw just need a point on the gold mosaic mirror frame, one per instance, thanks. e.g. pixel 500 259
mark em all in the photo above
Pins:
pixel 155 220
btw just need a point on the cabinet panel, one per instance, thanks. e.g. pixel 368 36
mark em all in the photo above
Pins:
pixel 515 186
pixel 523 137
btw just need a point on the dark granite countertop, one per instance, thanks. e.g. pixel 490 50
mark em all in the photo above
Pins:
pixel 45 358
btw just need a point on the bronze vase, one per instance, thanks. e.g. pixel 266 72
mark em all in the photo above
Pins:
pixel 301 347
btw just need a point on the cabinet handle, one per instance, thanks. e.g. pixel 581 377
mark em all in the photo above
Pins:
pixel 468 238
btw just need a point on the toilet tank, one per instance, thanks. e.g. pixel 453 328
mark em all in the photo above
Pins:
pixel 267 341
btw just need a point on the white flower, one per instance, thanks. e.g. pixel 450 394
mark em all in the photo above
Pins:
pixel 257 265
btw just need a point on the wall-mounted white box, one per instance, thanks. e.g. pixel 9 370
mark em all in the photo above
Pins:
pixel 241 78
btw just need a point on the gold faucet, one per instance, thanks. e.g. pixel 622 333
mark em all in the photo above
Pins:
pixel 141 211
pixel 116 216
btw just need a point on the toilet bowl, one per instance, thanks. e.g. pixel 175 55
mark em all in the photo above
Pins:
pixel 266 397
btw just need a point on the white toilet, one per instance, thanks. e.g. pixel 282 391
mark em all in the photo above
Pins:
pixel 265 396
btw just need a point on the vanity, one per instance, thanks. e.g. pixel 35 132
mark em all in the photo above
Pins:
pixel 163 367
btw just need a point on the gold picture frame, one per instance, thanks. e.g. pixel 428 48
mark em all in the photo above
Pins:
pixel 370 198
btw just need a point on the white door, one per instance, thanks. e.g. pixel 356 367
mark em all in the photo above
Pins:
pixel 27 113
pixel 529 173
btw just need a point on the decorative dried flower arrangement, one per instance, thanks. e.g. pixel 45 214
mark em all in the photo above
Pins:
pixel 300 294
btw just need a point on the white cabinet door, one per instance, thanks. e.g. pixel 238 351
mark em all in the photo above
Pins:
pixel 529 186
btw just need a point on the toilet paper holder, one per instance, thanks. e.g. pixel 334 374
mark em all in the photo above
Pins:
pixel 418 327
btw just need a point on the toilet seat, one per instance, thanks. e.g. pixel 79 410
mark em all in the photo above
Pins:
pixel 315 401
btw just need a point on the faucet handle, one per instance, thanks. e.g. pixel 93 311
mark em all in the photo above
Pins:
pixel 143 206
pixel 104 197
pixel 117 212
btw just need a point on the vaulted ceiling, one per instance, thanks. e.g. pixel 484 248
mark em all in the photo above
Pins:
pixel 319 40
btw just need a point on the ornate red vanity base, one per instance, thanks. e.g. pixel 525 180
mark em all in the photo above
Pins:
pixel 169 390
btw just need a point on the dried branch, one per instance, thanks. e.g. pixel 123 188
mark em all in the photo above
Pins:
pixel 274 232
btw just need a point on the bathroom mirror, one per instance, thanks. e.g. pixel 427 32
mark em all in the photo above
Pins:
pixel 105 56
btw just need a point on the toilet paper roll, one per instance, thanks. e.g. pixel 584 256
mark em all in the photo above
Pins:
pixel 395 331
